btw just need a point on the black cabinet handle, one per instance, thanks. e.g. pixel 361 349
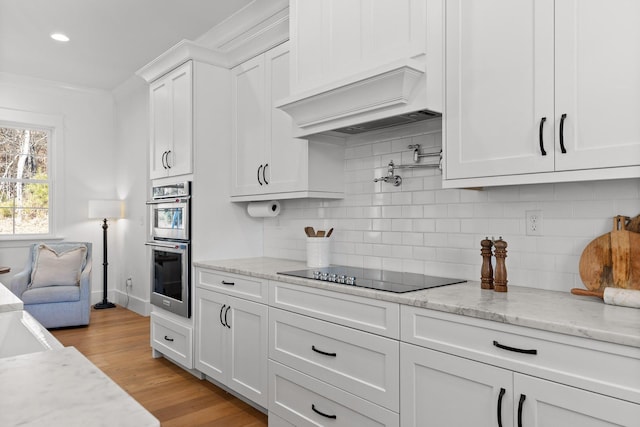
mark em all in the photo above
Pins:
pixel 313 347
pixel 164 162
pixel 264 171
pixel 168 339
pixel 224 282
pixel 517 350
pixel 167 158
pixel 542 150
pixel 225 316
pixel 500 396
pixel 520 405
pixel 333 417
pixel 562 118
pixel 259 169
pixel 222 321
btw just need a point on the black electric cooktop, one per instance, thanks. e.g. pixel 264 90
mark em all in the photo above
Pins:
pixel 382 280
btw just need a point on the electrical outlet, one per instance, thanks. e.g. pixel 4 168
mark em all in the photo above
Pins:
pixel 129 283
pixel 534 223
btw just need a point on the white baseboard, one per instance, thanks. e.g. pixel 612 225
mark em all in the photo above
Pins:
pixel 130 302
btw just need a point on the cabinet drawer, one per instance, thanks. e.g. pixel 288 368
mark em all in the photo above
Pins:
pixel 232 284
pixel 172 339
pixel 301 400
pixel 367 314
pixel 364 364
pixel 593 365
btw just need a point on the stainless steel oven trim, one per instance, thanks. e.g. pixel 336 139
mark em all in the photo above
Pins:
pixel 181 308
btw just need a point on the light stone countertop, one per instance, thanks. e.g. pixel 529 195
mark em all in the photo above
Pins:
pixel 63 388
pixel 8 301
pixel 554 311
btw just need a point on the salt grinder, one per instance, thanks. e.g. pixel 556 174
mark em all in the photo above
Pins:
pixel 486 272
pixel 500 282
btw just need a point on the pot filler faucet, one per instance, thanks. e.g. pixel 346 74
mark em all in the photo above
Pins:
pixel 396 180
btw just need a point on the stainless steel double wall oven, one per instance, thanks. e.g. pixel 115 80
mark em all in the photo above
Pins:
pixel 170 244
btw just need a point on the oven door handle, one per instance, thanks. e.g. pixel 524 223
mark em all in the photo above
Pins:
pixel 181 199
pixel 164 245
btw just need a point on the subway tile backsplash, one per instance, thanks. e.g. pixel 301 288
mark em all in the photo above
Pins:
pixel 421 227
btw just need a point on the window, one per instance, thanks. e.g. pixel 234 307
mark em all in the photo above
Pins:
pixel 26 184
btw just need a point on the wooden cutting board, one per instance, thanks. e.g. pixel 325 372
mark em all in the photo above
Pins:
pixel 612 260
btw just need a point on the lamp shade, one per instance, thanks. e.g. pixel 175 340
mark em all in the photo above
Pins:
pixel 105 209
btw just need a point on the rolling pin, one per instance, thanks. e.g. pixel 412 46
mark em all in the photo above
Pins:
pixel 613 296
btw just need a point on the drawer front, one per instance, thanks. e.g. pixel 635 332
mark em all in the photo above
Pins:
pixel 364 364
pixel 367 314
pixel 172 340
pixel 233 284
pixel 593 365
pixel 304 401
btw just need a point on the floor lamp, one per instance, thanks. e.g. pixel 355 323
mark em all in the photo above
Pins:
pixel 105 210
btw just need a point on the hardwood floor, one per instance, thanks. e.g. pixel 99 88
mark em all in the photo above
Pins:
pixel 117 341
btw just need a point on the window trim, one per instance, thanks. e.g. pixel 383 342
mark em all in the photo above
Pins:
pixel 54 123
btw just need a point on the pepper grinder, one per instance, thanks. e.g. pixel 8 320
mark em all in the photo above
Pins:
pixel 500 282
pixel 486 272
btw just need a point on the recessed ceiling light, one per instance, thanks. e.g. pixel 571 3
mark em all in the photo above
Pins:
pixel 60 37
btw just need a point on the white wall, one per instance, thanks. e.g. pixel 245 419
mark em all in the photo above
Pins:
pixel 420 227
pixel 88 160
pixel 132 139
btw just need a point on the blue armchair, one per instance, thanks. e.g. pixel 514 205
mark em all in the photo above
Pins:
pixel 57 305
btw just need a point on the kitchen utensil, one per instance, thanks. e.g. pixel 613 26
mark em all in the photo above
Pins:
pixel 613 296
pixel 612 260
pixel 330 231
pixel 309 231
pixel 320 233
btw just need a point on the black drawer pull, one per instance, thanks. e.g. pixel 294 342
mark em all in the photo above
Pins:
pixel 333 417
pixel 258 175
pixel 226 312
pixel 168 339
pixel 224 282
pixel 517 350
pixel 500 396
pixel 313 347
pixel 520 405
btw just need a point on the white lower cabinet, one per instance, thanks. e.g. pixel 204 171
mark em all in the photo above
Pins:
pixel 519 377
pixel 323 369
pixel 231 343
pixel 172 338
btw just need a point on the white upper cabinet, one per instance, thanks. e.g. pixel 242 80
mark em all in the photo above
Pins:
pixel 267 161
pixel 541 91
pixel 171 139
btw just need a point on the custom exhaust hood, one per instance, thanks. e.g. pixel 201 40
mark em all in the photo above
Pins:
pixel 391 95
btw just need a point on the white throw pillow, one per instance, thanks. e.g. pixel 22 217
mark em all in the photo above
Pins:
pixel 57 269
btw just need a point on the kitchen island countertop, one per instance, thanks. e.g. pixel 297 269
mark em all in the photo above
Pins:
pixel 8 301
pixel 552 311
pixel 63 388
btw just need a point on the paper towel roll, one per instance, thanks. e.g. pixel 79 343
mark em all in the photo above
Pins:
pixel 263 209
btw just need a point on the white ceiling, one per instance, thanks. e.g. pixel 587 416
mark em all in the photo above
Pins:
pixel 110 39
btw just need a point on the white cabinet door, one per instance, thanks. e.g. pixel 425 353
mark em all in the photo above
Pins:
pixel 335 39
pixel 248 351
pixel 248 105
pixel 231 343
pixel 171 138
pixel 598 83
pixel 439 389
pixel 499 87
pixel 211 334
pixel 287 164
pixel 543 403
